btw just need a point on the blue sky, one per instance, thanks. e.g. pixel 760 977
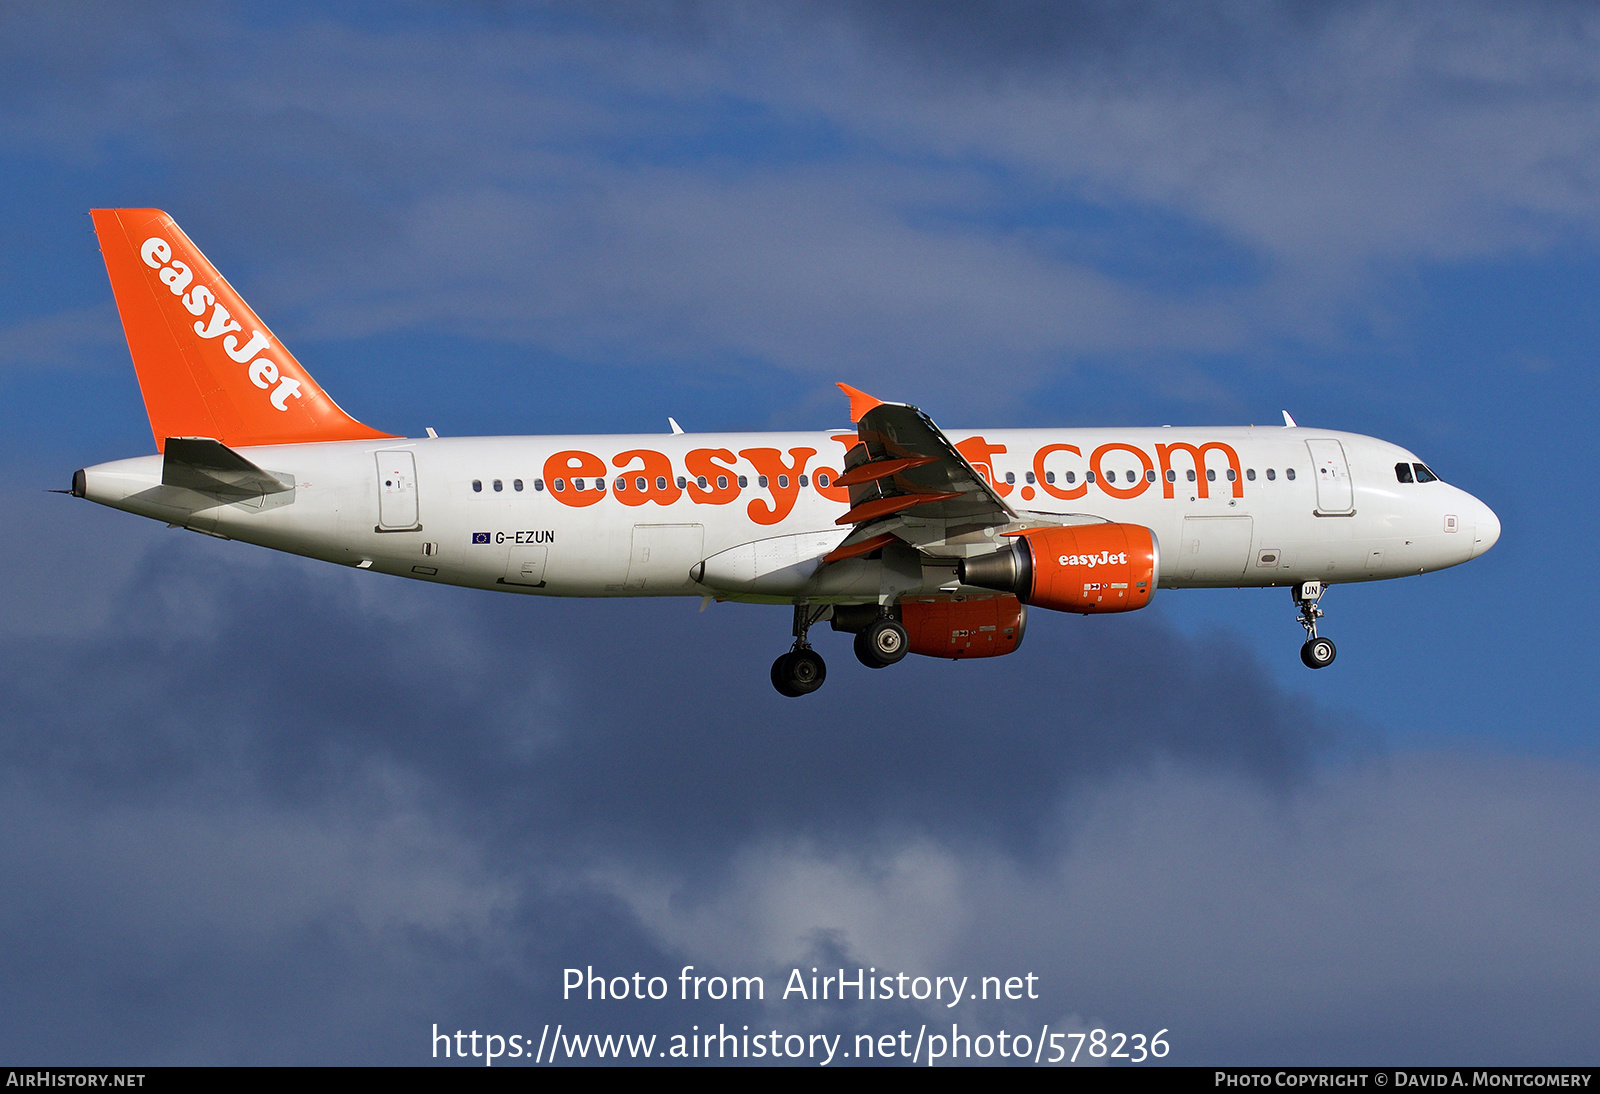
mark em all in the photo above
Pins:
pixel 264 810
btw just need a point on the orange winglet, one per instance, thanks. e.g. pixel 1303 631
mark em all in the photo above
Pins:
pixel 881 469
pixel 207 366
pixel 860 401
pixel 882 507
pixel 866 546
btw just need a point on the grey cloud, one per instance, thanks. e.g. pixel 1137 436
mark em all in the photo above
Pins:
pixel 258 781
pixel 218 654
pixel 262 784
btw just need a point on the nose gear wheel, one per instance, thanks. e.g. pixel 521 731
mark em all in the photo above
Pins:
pixel 1318 653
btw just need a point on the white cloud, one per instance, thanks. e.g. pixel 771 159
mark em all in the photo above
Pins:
pixel 1421 892
pixel 779 188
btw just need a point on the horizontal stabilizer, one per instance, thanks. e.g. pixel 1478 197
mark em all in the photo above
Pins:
pixel 211 467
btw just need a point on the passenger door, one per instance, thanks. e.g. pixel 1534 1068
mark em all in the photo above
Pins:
pixel 1335 493
pixel 397 491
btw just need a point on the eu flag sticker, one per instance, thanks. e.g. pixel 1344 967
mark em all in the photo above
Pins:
pixel 480 537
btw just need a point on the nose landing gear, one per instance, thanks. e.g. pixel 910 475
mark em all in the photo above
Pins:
pixel 802 670
pixel 1317 653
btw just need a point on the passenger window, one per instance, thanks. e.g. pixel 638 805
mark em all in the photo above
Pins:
pixel 1425 475
pixel 1011 478
pixel 1191 474
pixel 1288 473
pixel 802 480
pixel 783 482
pixel 1072 476
pixel 1172 476
pixel 1149 475
pixel 516 484
pixel 1028 478
pixel 661 483
pixel 1088 476
pixel 579 484
pixel 600 484
pixel 682 482
pixel 1211 475
pixel 621 484
pixel 1050 477
pixel 561 484
pixel 744 481
pixel 761 480
pixel 1232 474
pixel 1402 472
pixel 1250 473
pixel 722 482
pixel 640 484
pixel 498 486
pixel 700 481
pixel 822 478
pixel 538 485
pixel 1271 474
pixel 477 486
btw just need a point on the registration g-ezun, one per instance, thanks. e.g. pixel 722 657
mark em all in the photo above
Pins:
pixel 915 539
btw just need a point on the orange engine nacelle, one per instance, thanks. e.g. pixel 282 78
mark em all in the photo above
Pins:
pixel 1087 568
pixel 965 626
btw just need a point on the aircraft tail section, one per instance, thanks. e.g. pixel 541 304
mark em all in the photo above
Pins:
pixel 207 365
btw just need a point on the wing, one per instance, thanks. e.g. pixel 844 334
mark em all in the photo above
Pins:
pixel 908 482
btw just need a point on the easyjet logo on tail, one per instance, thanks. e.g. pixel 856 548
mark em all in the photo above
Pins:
pixel 177 277
pixel 208 367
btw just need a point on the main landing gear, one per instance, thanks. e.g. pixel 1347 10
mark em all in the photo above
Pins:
pixel 881 643
pixel 802 670
pixel 881 640
pixel 1317 653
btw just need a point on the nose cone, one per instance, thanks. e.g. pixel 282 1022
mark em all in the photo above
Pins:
pixel 1487 532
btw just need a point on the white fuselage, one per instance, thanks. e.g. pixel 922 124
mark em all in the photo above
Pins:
pixel 410 507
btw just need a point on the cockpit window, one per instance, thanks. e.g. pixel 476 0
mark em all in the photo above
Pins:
pixel 1402 471
pixel 1424 475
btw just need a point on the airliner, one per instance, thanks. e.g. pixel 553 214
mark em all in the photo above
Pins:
pixel 912 538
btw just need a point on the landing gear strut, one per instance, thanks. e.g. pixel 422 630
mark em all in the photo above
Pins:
pixel 802 670
pixel 1317 653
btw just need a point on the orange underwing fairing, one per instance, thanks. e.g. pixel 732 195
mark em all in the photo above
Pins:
pixel 880 469
pixel 207 365
pixel 1090 568
pixel 963 627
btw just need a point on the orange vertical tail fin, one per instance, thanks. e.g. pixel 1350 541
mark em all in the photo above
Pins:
pixel 207 366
